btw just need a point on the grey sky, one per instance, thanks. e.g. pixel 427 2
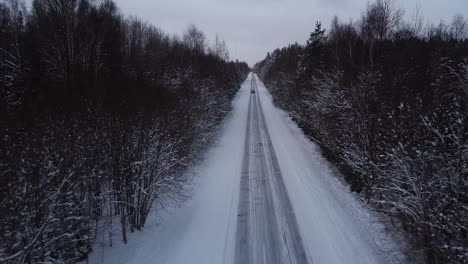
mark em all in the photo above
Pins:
pixel 251 28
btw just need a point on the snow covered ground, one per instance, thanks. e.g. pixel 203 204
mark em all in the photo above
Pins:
pixel 333 224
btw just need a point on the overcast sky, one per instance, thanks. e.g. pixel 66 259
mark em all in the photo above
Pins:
pixel 251 28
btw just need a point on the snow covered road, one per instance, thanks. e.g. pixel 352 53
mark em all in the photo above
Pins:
pixel 267 230
pixel 263 194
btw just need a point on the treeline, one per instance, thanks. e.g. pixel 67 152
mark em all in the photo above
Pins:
pixel 99 116
pixel 386 99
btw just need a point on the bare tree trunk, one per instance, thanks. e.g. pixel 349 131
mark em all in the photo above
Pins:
pixel 123 221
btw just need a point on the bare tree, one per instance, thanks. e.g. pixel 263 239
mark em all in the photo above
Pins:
pixel 380 20
pixel 441 31
pixel 12 65
pixel 220 49
pixel 194 38
pixel 416 23
pixel 459 27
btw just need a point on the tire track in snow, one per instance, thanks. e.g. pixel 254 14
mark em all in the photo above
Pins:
pixel 242 252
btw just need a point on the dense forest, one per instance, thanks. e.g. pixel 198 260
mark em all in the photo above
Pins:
pixel 386 98
pixel 99 116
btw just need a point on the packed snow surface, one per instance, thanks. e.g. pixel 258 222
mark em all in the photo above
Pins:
pixel 292 208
